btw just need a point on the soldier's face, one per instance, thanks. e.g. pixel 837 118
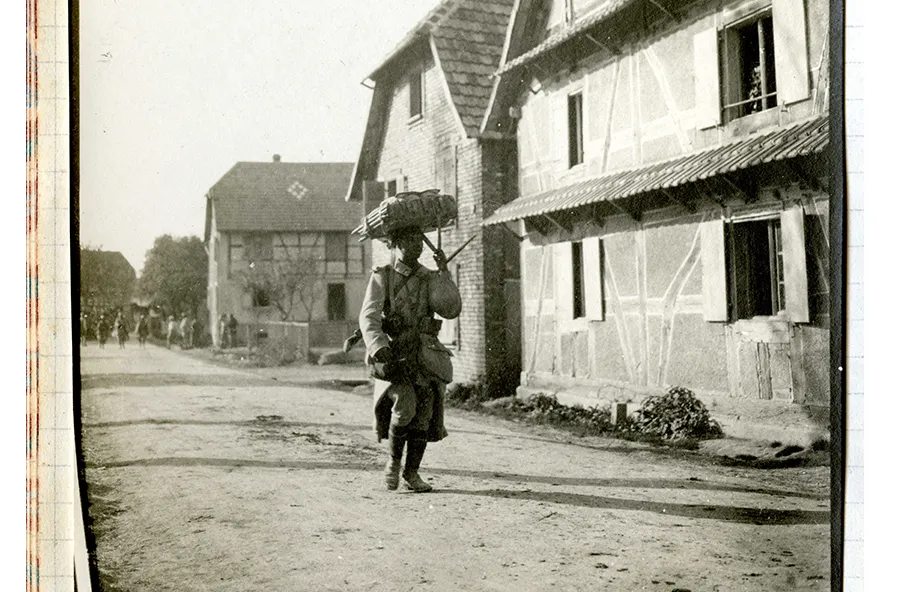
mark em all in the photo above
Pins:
pixel 409 247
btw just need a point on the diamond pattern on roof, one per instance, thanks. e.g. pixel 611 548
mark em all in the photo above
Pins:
pixel 298 189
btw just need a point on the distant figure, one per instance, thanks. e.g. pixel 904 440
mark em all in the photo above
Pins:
pixel 101 331
pixel 83 329
pixel 172 330
pixel 223 331
pixel 191 331
pixel 142 330
pixel 232 330
pixel 184 331
pixel 120 327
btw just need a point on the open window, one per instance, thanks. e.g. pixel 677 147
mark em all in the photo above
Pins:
pixel 749 66
pixel 756 271
pixel 755 267
pixel 755 62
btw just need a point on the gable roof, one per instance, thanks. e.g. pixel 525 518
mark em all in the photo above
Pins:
pixel 283 196
pixel 467 37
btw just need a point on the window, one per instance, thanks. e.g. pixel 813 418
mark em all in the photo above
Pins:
pixel 416 95
pixel 575 127
pixel 336 305
pixel 756 269
pixel 336 245
pixel 236 247
pixel 391 188
pixel 355 258
pixel 260 298
pixel 579 302
pixel 336 252
pixel 749 72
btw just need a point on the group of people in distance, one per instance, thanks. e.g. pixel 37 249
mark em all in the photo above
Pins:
pixel 115 325
pixel 102 326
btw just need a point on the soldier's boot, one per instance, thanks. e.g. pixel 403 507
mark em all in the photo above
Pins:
pixel 394 464
pixel 413 457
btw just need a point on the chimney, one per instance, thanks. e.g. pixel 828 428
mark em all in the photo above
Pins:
pixel 276 158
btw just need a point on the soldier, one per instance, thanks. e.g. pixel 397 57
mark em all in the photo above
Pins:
pixel 410 366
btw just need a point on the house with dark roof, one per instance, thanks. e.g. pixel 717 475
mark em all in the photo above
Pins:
pixel 106 280
pixel 280 245
pixel 673 160
pixel 430 96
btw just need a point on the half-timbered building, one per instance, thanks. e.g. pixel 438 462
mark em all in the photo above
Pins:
pixel 674 202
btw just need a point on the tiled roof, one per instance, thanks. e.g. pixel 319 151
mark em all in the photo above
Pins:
pixel 561 35
pixel 799 139
pixel 469 43
pixel 288 196
pixel 469 38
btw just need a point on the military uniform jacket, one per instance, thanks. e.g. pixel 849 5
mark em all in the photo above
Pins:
pixel 408 292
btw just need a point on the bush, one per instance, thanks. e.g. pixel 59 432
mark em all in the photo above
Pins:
pixel 676 415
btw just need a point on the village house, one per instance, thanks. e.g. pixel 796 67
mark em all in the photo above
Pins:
pixel 424 131
pixel 280 248
pixel 106 281
pixel 673 200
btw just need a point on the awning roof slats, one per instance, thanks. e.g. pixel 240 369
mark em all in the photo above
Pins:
pixel 798 139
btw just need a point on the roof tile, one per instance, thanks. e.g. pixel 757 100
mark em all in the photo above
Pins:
pixel 287 196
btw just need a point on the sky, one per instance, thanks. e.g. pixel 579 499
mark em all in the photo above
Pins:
pixel 173 93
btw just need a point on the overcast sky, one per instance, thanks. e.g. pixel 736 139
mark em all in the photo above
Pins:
pixel 173 93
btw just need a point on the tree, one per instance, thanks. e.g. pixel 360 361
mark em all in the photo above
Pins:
pixel 175 273
pixel 283 282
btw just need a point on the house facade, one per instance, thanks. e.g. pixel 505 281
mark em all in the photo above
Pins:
pixel 423 131
pixel 280 248
pixel 673 181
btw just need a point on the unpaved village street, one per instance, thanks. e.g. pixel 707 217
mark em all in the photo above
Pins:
pixel 207 478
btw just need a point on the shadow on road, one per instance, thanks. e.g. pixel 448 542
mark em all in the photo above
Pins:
pixel 686 484
pixel 214 422
pixel 160 379
pixel 759 516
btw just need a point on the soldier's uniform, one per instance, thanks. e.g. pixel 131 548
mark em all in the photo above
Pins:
pixel 408 407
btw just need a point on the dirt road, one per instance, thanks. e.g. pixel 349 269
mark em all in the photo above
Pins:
pixel 206 478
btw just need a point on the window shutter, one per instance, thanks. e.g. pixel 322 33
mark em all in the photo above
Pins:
pixel 794 264
pixel 790 46
pixel 592 278
pixel 563 280
pixel 712 256
pixel 401 183
pixel 559 129
pixel 706 78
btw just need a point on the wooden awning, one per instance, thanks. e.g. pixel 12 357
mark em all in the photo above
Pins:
pixel 781 143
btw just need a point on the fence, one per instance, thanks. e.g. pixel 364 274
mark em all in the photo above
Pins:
pixel 305 336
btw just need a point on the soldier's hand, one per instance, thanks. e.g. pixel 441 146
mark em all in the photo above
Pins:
pixel 383 355
pixel 441 259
